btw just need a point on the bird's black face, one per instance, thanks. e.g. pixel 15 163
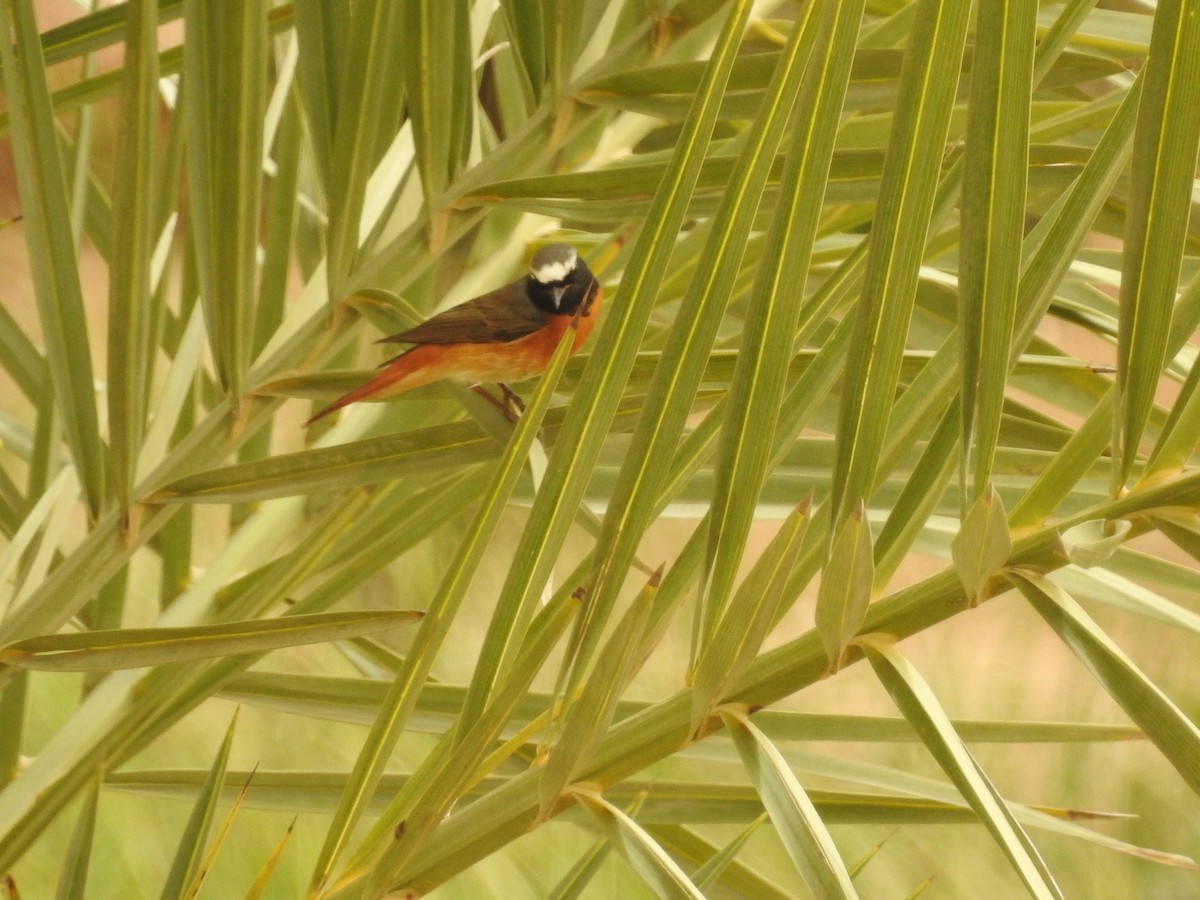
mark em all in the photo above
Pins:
pixel 559 281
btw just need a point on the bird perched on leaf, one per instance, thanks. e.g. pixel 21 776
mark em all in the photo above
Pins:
pixel 506 335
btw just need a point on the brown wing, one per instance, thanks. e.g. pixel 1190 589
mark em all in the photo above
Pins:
pixel 502 315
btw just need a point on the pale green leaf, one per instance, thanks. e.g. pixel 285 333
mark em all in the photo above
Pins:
pixel 686 349
pixel 757 383
pixel 845 589
pixel 577 881
pixel 993 213
pixel 321 32
pixel 447 776
pixel 920 496
pixel 131 648
pixel 1108 587
pixel 590 715
pixel 755 608
pixel 910 175
pixel 130 262
pixel 96 30
pixel 982 544
pixel 1164 172
pixel 218 841
pixel 434 32
pixel 653 864
pixel 796 819
pixel 18 355
pixel 1143 701
pixel 720 864
pixel 72 884
pixel 526 27
pixel 659 803
pixel 919 705
pixel 54 268
pixel 186 865
pixel 13 698
pixel 224 98
pixel 341 466
pixel 263 878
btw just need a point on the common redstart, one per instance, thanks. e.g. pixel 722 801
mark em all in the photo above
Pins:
pixel 506 335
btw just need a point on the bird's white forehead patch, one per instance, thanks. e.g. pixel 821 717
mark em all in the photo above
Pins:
pixel 551 267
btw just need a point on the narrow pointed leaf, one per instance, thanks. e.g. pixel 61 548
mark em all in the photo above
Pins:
pixel 83 749
pixel 911 170
pixel 651 862
pixel 366 66
pixel 1052 246
pixel 258 887
pixel 758 381
pixel 561 25
pixel 12 712
pixel 218 841
pixel 993 218
pixel 720 862
pixel 445 777
pixel 132 648
pixel 921 494
pixel 18 355
pixel 525 26
pixel 658 802
pixel 130 263
pixel 225 70
pixel 343 465
pixel 186 864
pixel 747 621
pixel 280 215
pixel 54 268
pixel 982 544
pixel 845 590
pixel 72 885
pixel 917 702
pixel 321 32
pixel 574 884
pixel 589 716
pixel 1164 172
pixel 1143 701
pixel 796 820
pixel 437 56
pixel 1178 441
pixel 1062 474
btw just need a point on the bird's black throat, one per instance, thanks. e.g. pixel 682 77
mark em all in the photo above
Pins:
pixel 577 288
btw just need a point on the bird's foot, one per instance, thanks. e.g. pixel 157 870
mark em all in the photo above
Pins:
pixel 512 401
pixel 510 405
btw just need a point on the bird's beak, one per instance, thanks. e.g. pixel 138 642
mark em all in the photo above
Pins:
pixel 558 295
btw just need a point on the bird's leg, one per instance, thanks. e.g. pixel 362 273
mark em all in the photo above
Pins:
pixel 508 403
pixel 511 400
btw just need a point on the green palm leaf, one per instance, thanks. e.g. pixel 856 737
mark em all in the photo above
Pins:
pixel 848 251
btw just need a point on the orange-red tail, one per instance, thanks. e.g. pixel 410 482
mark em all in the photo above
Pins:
pixel 396 370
